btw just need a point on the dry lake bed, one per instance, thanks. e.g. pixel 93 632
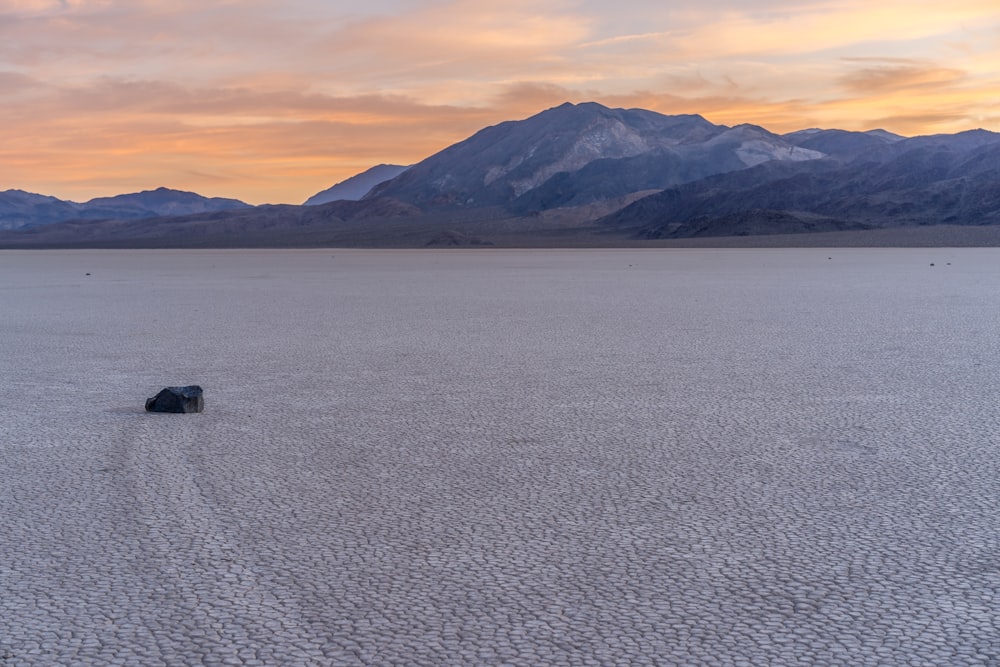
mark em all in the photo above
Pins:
pixel 613 457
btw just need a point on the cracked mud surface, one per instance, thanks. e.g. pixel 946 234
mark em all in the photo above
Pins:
pixel 760 457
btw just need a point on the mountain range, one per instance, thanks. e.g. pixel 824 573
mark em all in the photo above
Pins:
pixel 580 174
pixel 19 209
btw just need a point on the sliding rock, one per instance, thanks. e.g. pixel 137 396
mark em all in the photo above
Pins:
pixel 177 399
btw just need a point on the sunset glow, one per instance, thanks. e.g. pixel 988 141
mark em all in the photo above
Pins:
pixel 273 101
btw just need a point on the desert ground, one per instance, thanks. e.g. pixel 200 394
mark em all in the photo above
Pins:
pixel 501 457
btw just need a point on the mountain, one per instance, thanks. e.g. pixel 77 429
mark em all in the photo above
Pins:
pixel 943 179
pixel 502 162
pixel 573 155
pixel 20 209
pixel 357 186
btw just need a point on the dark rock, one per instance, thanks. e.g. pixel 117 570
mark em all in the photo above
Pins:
pixel 177 399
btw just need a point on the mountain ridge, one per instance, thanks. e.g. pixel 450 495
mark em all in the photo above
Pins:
pixel 357 186
pixel 21 209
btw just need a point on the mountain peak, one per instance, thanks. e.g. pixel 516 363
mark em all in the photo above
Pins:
pixel 25 195
pixel 503 162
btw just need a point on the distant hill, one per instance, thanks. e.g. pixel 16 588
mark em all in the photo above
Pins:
pixel 357 186
pixel 159 202
pixel 20 209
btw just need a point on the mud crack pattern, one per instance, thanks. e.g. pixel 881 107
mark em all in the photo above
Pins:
pixel 501 458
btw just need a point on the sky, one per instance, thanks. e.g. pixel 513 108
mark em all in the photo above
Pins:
pixel 272 101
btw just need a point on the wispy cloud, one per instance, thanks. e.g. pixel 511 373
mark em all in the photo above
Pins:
pixel 899 75
pixel 626 39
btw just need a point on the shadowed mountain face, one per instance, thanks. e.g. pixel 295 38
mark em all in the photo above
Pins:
pixel 357 186
pixel 921 181
pixel 22 209
pixel 575 154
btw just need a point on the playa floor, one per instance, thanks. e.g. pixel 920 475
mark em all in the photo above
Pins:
pixel 621 457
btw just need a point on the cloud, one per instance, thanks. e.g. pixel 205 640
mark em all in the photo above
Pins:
pixel 274 101
pixel 280 146
pixel 528 97
pixel 898 75
pixel 920 120
pixel 626 39
pixel 14 83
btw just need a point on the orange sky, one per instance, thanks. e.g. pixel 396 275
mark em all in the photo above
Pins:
pixel 273 101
